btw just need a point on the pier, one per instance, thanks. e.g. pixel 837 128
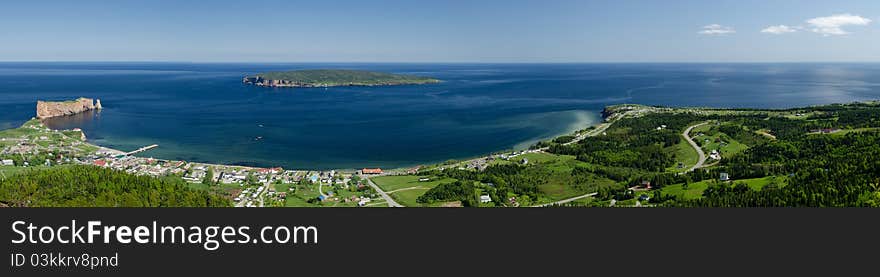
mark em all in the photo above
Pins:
pixel 142 149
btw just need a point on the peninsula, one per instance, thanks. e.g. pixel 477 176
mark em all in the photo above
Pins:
pixel 47 109
pixel 333 78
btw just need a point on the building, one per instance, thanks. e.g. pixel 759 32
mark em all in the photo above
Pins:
pixel 724 176
pixel 645 185
pixel 485 199
pixel 371 171
pixel 100 162
pixel 715 155
pixel 7 162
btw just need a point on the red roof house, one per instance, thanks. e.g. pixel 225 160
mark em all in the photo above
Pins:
pixel 371 171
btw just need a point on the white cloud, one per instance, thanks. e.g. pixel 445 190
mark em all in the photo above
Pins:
pixel 779 29
pixel 831 25
pixel 715 29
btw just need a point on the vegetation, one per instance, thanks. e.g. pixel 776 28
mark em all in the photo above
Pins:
pixel 89 186
pixel 545 178
pixel 792 165
pixel 822 156
pixel 337 77
pixel 638 143
pixel 405 189
pixel 458 191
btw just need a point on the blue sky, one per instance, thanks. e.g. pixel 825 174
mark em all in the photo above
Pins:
pixel 442 31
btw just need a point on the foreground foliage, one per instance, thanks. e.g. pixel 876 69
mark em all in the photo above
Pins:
pixel 89 186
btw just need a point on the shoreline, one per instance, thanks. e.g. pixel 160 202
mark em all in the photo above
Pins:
pixel 609 114
pixel 583 119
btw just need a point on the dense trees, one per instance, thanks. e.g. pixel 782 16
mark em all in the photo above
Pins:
pixel 564 139
pixel 458 191
pixel 823 170
pixel 88 186
pixel 521 180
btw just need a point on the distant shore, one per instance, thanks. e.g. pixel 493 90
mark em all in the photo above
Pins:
pixel 317 78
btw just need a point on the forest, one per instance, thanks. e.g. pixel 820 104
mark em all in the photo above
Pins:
pixel 90 186
pixel 458 191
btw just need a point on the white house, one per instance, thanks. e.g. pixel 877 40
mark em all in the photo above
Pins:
pixel 8 162
pixel 485 199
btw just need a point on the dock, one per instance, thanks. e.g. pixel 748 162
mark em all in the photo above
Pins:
pixel 142 149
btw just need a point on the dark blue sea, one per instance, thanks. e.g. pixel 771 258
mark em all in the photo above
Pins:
pixel 202 112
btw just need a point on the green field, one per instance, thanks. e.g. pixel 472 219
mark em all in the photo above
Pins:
pixel 558 168
pixel 726 146
pixel 695 190
pixel 9 171
pixel 712 139
pixel 392 183
pixel 24 130
pixel 297 200
pixel 405 189
pixel 303 194
pixel 684 154
pixel 847 131
pixel 542 158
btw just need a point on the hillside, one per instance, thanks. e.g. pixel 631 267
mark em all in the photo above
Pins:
pixel 333 77
pixel 90 186
pixel 821 156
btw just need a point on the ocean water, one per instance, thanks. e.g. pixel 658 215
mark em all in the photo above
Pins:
pixel 202 112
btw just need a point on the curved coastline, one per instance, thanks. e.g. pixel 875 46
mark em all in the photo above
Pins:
pixel 583 119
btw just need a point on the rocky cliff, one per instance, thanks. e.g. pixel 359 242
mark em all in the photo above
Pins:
pixel 47 109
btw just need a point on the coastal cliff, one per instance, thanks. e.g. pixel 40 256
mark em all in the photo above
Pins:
pixel 47 109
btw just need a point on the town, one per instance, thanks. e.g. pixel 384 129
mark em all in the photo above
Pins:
pixel 35 146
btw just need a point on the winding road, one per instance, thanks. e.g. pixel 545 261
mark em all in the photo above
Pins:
pixel 687 136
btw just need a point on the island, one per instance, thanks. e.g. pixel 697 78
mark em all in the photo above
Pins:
pixel 47 109
pixel 333 78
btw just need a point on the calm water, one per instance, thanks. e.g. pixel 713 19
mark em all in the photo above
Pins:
pixel 201 112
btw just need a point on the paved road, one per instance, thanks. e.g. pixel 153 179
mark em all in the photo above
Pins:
pixel 687 136
pixel 321 189
pixel 263 194
pixel 567 200
pixel 391 202
pixel 592 133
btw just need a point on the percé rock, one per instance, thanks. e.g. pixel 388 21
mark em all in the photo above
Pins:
pixel 47 109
